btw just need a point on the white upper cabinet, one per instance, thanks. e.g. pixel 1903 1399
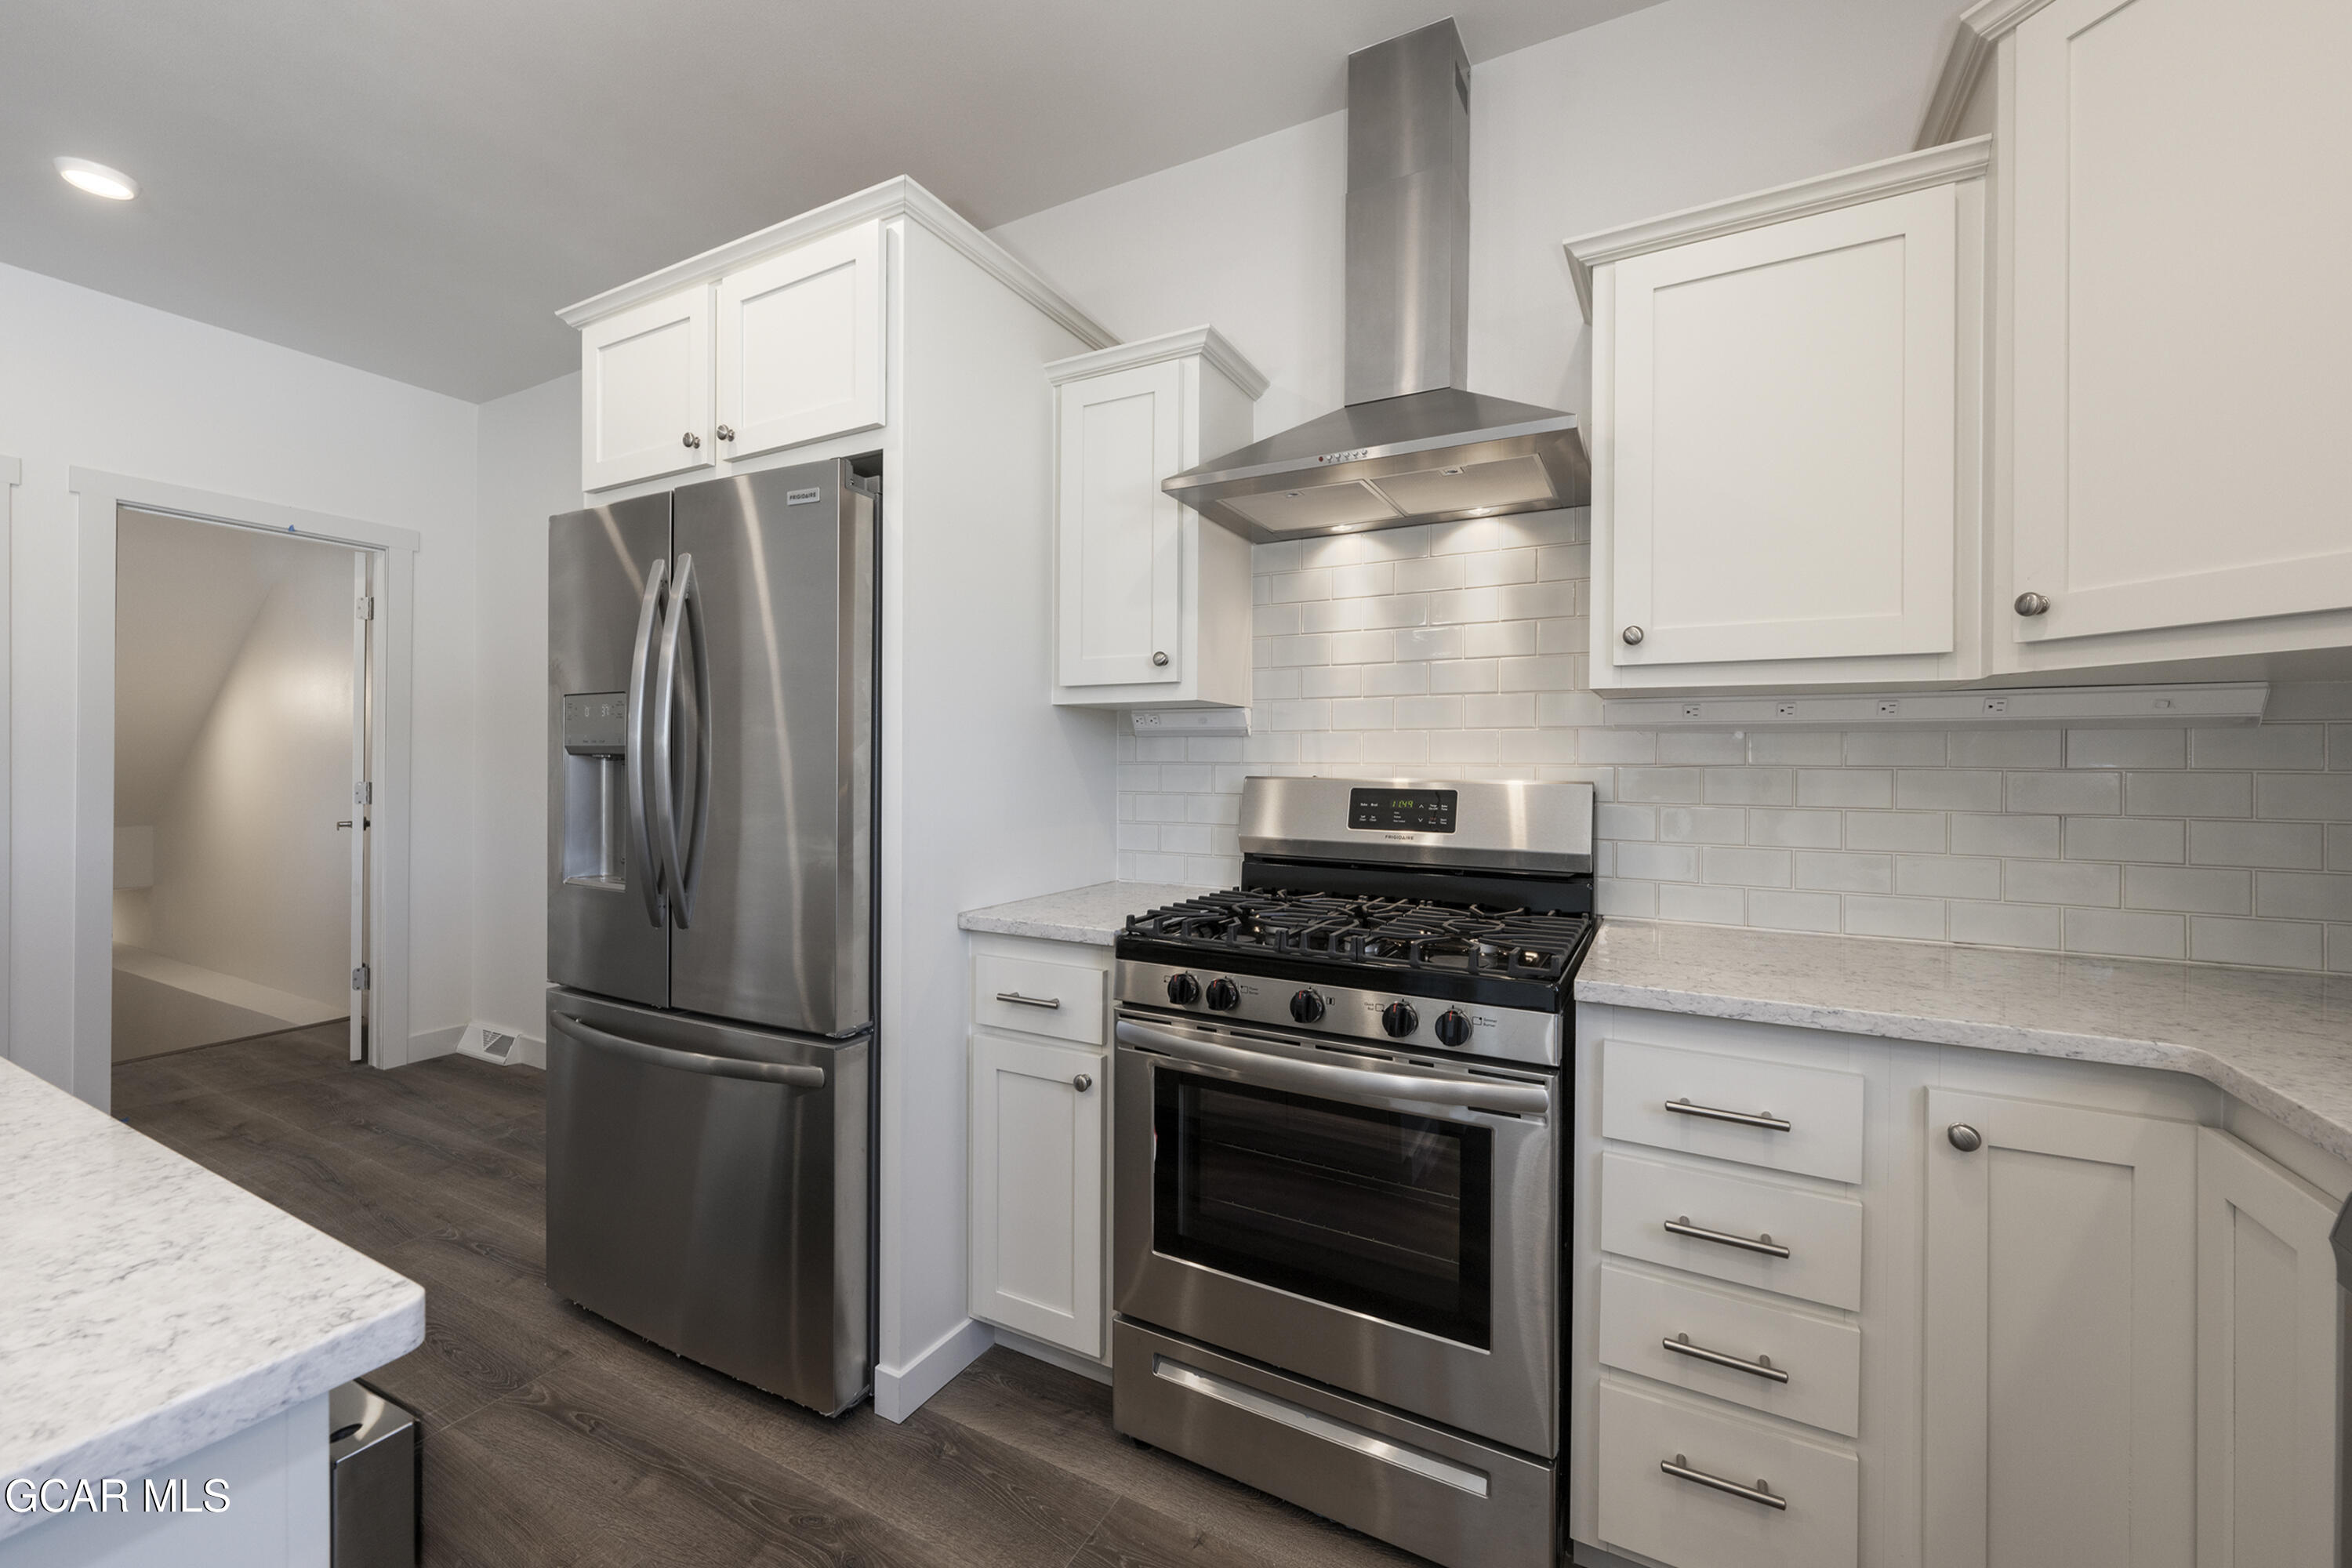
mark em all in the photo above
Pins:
pixel 1151 601
pixel 799 344
pixel 644 391
pixel 2177 400
pixel 1781 427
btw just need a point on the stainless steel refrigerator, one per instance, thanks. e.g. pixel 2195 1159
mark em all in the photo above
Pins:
pixel 711 891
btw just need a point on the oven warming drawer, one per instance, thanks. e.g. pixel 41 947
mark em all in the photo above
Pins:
pixel 1454 1500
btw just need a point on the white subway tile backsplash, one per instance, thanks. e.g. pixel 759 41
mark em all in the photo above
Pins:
pixel 2196 890
pixel 2067 795
pixel 1460 650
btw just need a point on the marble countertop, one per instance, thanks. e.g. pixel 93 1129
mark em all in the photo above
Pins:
pixel 2280 1041
pixel 148 1308
pixel 1092 915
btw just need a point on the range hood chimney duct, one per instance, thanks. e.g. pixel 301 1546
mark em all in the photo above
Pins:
pixel 1411 447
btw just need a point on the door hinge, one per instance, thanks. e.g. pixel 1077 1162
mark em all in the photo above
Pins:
pixel 360 978
pixel 367 608
pixel 364 793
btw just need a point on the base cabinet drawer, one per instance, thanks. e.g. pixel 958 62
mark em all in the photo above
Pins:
pixel 1775 1359
pixel 1775 1114
pixel 1695 1515
pixel 1035 997
pixel 1751 1232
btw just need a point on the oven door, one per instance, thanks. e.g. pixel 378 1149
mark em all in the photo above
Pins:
pixel 1387 1227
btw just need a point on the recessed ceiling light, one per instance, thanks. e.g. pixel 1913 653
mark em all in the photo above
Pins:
pixel 98 179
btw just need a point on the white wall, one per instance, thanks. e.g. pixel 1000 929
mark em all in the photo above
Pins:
pixel 528 471
pixel 252 877
pixel 88 379
pixel 1679 104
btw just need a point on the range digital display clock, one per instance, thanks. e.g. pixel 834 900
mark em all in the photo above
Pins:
pixel 1401 810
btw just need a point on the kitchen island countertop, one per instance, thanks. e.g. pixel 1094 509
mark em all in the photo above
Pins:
pixel 149 1308
pixel 2279 1041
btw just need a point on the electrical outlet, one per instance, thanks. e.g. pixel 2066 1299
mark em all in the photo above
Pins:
pixel 1888 707
pixel 1690 709
pixel 1785 710
pixel 1995 704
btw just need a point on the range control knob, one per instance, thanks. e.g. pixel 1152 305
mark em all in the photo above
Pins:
pixel 1398 1019
pixel 1306 1007
pixel 1183 989
pixel 1453 1028
pixel 1223 994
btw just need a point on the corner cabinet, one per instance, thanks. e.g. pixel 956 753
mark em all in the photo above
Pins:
pixel 1151 601
pixel 779 351
pixel 1783 432
pixel 2080 1313
pixel 1039 1099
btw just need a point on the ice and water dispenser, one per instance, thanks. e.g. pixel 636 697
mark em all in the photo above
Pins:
pixel 596 786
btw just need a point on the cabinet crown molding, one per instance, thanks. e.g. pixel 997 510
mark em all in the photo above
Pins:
pixel 901 197
pixel 1206 341
pixel 1822 192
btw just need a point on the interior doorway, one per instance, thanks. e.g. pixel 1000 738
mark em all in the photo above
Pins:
pixel 243 719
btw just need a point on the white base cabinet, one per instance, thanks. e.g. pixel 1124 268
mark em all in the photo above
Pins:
pixel 1151 601
pixel 2092 1316
pixel 1038 1147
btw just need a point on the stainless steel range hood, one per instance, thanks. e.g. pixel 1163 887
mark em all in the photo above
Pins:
pixel 1411 447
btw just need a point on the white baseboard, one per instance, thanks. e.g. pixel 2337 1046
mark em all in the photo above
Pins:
pixel 529 1050
pixel 1055 1355
pixel 435 1042
pixel 899 1391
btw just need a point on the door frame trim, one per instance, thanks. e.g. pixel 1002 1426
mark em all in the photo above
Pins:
pixel 98 497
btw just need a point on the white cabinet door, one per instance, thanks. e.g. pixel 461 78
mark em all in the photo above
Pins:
pixel 2180 319
pixel 2267 1315
pixel 799 344
pixel 1037 1125
pixel 2061 1337
pixel 1784 440
pixel 645 391
pixel 1119 536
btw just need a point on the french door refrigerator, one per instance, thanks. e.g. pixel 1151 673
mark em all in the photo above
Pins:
pixel 710 888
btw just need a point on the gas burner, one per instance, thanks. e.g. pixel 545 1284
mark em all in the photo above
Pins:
pixel 1379 932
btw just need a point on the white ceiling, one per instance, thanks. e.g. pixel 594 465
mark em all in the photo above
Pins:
pixel 414 186
pixel 185 596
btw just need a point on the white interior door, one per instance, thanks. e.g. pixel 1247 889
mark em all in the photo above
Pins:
pixel 1785 439
pixel 645 391
pixel 363 806
pixel 2181 321
pixel 1118 537
pixel 2267 1315
pixel 799 344
pixel 2059 1420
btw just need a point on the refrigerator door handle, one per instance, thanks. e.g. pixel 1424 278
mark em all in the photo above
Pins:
pixel 644 869
pixel 682 858
pixel 792 1075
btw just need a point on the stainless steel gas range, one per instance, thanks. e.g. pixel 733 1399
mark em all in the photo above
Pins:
pixel 1341 1151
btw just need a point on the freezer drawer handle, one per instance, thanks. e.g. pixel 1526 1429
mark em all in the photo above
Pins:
pixel 1762 1366
pixel 1681 1226
pixel 1763 1119
pixel 792 1074
pixel 1266 1068
pixel 1680 1467
pixel 1016 996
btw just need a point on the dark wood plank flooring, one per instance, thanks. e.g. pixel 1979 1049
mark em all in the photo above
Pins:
pixel 553 1438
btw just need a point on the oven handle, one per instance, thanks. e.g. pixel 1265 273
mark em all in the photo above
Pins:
pixel 1283 1072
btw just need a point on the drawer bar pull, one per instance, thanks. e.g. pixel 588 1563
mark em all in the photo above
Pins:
pixel 1681 1226
pixel 1019 1000
pixel 1765 1119
pixel 1679 1467
pixel 1762 1366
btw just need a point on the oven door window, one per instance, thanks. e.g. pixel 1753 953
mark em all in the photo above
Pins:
pixel 1375 1211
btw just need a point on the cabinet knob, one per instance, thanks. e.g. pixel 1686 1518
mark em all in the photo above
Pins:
pixel 691 440
pixel 1161 661
pixel 1632 634
pixel 2033 604
pixel 727 432
pixel 1965 1138
pixel 1082 1083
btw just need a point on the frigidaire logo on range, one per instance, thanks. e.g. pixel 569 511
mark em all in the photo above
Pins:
pixel 113 1495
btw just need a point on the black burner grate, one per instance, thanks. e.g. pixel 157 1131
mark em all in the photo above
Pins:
pixel 1408 933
